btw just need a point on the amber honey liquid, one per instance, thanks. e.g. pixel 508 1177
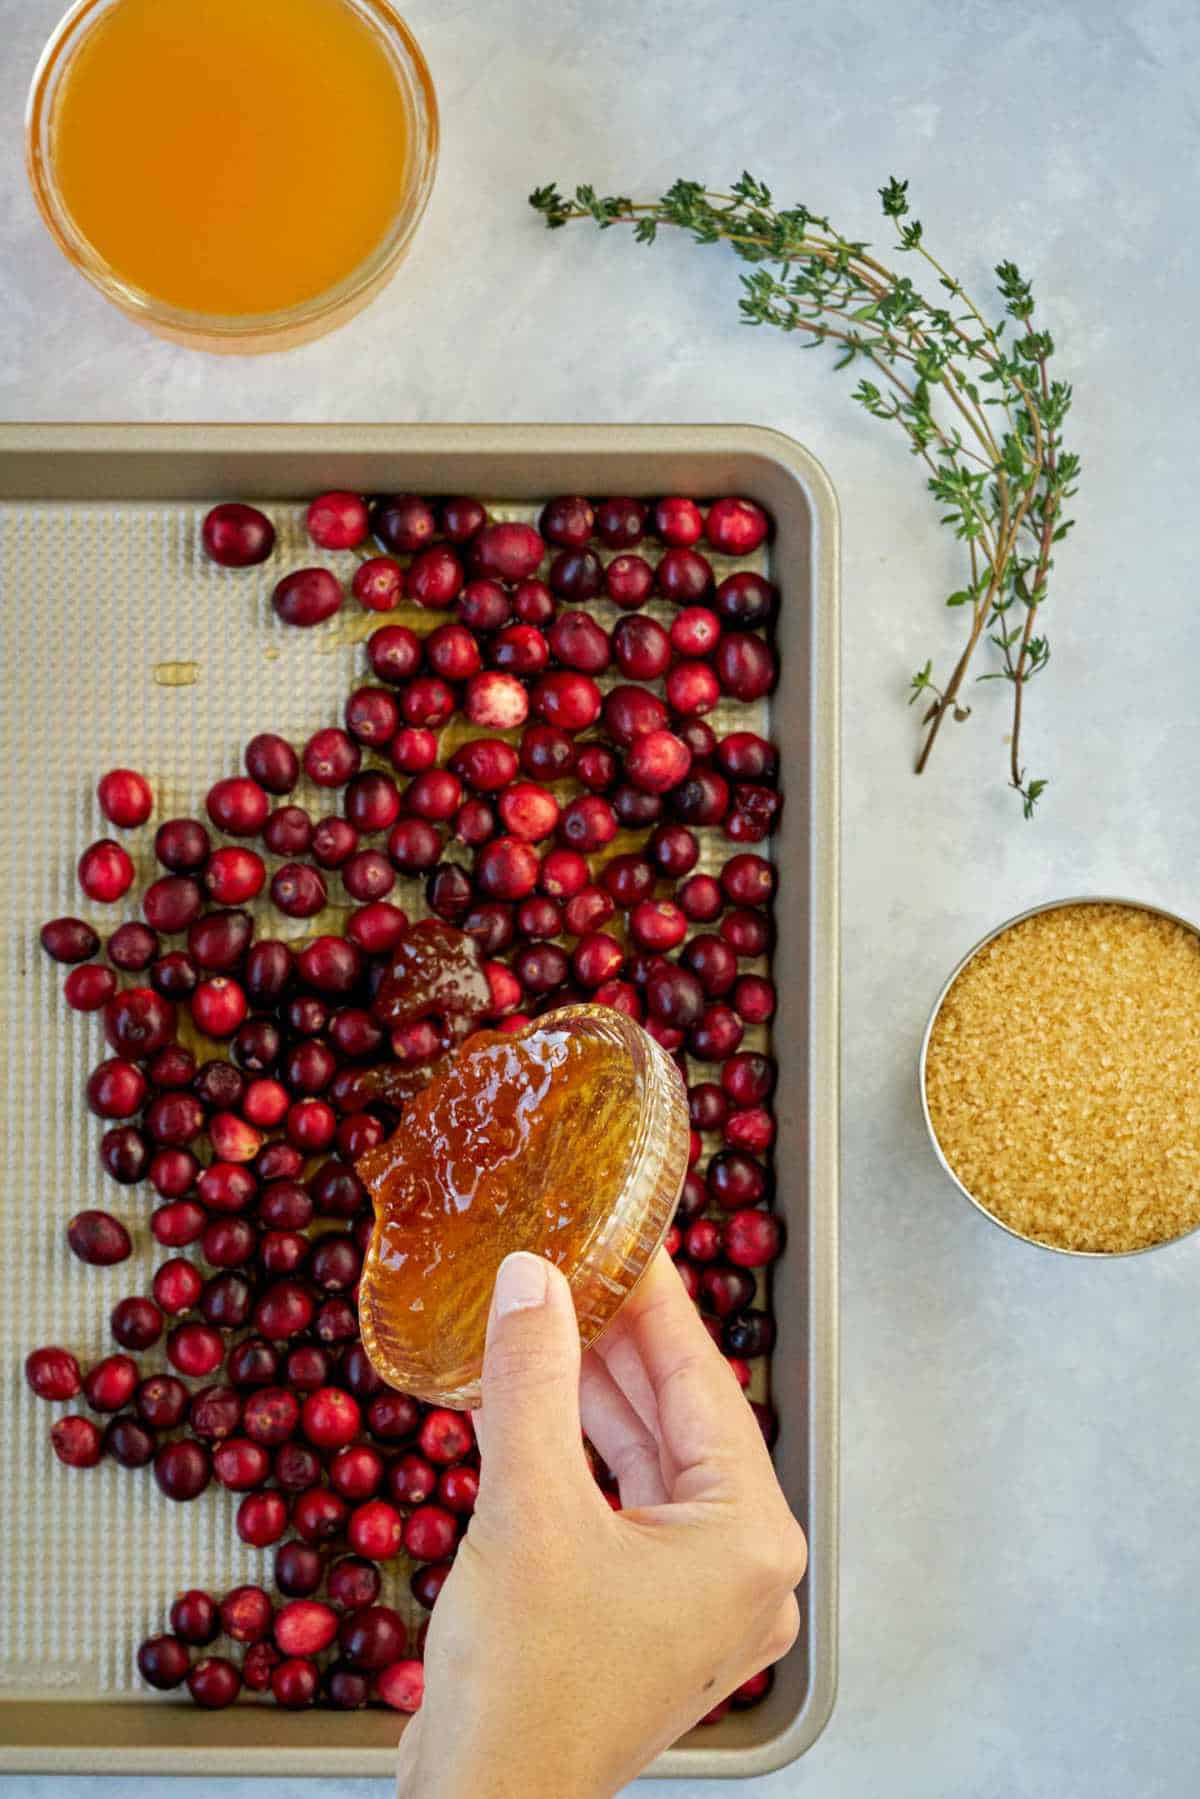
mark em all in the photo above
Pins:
pixel 519 1143
pixel 232 156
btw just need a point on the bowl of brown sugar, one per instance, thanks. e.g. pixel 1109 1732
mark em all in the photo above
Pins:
pixel 1060 1077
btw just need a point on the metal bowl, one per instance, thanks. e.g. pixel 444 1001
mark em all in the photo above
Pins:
pixel 1086 899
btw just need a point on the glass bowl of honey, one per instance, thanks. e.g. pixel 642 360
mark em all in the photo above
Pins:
pixel 235 176
pixel 568 1138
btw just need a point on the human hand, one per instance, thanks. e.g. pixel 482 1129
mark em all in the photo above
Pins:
pixel 572 1643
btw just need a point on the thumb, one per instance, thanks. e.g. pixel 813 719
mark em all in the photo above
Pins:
pixel 530 1432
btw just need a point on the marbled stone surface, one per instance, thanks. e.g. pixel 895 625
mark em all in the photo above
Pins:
pixel 1021 1445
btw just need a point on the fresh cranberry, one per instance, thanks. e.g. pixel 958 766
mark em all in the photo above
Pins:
pixel 520 650
pixel 252 1364
pixel 334 842
pixel 568 520
pixel 288 832
pixel 506 552
pixel 483 606
pixel 461 518
pixel 394 653
pixel 674 996
pixel 628 581
pixel 629 879
pixel 77 1441
pixel 298 1569
pixel 262 1519
pixel 702 1240
pixel 392 1417
pixel 330 1418
pixel 53 1373
pixel 657 925
pixel 194 1349
pixel 116 1089
pixel 754 999
pixel 411 1479
pixel 296 1468
pixel 215 1411
pixel 237 536
pixel 749 1333
pixel 376 1530
pixel 175 1119
pixel 401 1685
pixel 356 1472
pixel 284 1311
pixel 246 1614
pixel 744 756
pixel 175 1226
pixel 657 761
pixel 426 1583
pixel 377 928
pixel 702 799
pixel 337 520
pixel 579 642
pixel 735 527
pixel 434 578
pixel 132 947
pixel 372 717
pixel 173 1172
pixel 712 960
pixel 746 667
pixel 238 806
pixel 331 756
pixel 294 1683
pixel 195 1618
pixel 105 873
pixel 752 1128
pixel 404 523
pixel 270 1416
pixel 258 1665
pixel 378 584
pixel 621 996
pixel 373 1637
pixel 182 845
pixel 735 1180
pixel 496 701
pixel 69 940
pixel 588 823
pixel 745 600
pixel 563 874
pixel 228 1243
pixel 458 1490
pixel 214 1683
pixel 98 1239
pixel 630 712
pixel 163 1662
pixel 256 1047
pixel 174 975
pixel 567 699
pixel 507 868
pixel 218 1006
pixel 368 875
pixel 298 890
pixel 430 1533
pixel 588 909
pixel 620 523
pixel 598 958
pixel 278 1162
pixel 182 1469
pixel 125 1154
pixel 272 762
pixel 226 1187
pixel 126 798
pixel 692 689
pixel 641 647
pixel 529 812
pixel 717 1035
pixel 305 1627
pixel 533 603
pixel 684 576
pixel 539 968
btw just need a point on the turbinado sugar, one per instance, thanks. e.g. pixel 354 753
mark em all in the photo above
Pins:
pixel 1063 1078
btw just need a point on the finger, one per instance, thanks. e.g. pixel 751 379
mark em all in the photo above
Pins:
pixel 704 1423
pixel 620 1436
pixel 531 1429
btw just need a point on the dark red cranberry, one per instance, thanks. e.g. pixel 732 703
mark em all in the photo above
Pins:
pixel 746 667
pixel 298 1569
pixel 162 1401
pixel 394 653
pixel 675 997
pixel 404 523
pixel 284 1252
pixel 702 799
pixel 253 1363
pixel 702 1240
pixel 163 1662
pixel 238 806
pixel 132 947
pixel 246 1614
pixel 414 845
pixel 567 520
pixel 77 1441
pixel 629 581
pixel 284 1310
pixel 744 756
pixel 272 762
pixel 172 1067
pixel 278 1162
pixel 712 960
pixel 631 711
pixel 717 1035
pixel 262 1518
pixel 588 823
pixel 700 738
pixel 258 1665
pixel 434 578
pixel 337 1191
pixel 331 756
pixel 474 822
pixel 735 1180
pixel 746 600
pixel 657 925
pixel 483 606
pixel 520 650
pixel 173 1173
pixel 749 1333
pixel 89 987
pixel 541 967
pixel 354 1032
pixel 684 576
pixel 708 1106
pixel 214 1683
pixel 356 1472
pixel 334 842
pixel 98 1238
pixel 319 1515
pixel 296 1467
pixel 215 1412
pixel 577 641
pixel 372 1638
pixel 392 1417
pixel 461 518
pixel 641 647
pixel 227 1243
pixel 227 1299
pixel 377 928
pixel 755 813
pixel 53 1373
pixel 219 940
pixel 378 584
pixel 587 910
pixel 298 890
pixel 182 1469
pixel 288 831
pixel 538 919
pixel 194 1617
pixel 308 596
pixel 507 868
pixel 138 1022
pixel 182 845
pixel 426 1583
pixel 331 964
pixel 116 1089
pixel 353 1584
pixel 358 1374
pixel 237 536
pixel 256 1046
pixel 175 975
pixel 111 1383
pixel 700 899
pixel 677 521
pixel 219 1085
pixel 195 1350
pixel 368 876
pixel 567 699
pixel 429 701
pixel 129 1443
pixel 506 552
pixel 620 522
pixel 754 999
pixel 657 761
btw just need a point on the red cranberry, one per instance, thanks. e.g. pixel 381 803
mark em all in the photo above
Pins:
pixel 272 762
pixel 726 1290
pixel 735 1180
pixel 331 964
pixel 195 1350
pixel 596 767
pixel 411 1479
pixel 305 1627
pixel 563 874
pixel 430 1533
pixel 53 1373
pixel 238 806
pixel 692 688
pixel 214 1683
pixel 748 1079
pixel 745 666
pixel 218 1006
pixel 588 823
pixel 334 842
pixel 256 1048
pixel 307 597
pixel 753 1691
pixel 629 712
pixel 226 1187
pixel 261 1520
pixel 105 873
pixel 163 1662
pixel 483 606
pixel 175 1226
pixel 754 999
pixel 182 1469
pixel 77 1441
pixel 346 1689
pixel 712 960
pixel 717 1035
pixel 182 845
pixel 337 1191
pixel 426 1583
pixel 69 940
pixel 376 1530
pixel 116 1089
pixel 567 699
pixel 378 584
pixel 567 520
pixel 125 1154
pixel 678 521
pixel 693 1199
pixel 402 1685
pixel 414 845
pixel 746 600
pixel 588 909
pixel 278 1162
pixel 462 518
pixel 356 1472
pixel 294 1683
pixel 218 941
pixel 173 1172
pixel 336 520
pixel 598 958
pixel 126 798
pixel 129 1443
pixel 372 802
pixel 749 1333
pixel 520 650
pixel 702 799
pixel 394 653
pixel 174 975
pixel 330 757
pixel 629 879
pixel 227 1301
pixel 506 552
pixel 90 986
pixel 330 1418
pixel 674 996
pixel 372 716
pixel 297 890
pixel 641 647
pixel 139 1022
pixel 453 653
pixel 657 925
pixel 288 831
pixel 708 1107
pixel 214 1412
pixel 353 1584
pixel 175 1118
pixel 298 1570
pixel 486 764
pixel 335 1263
pixel 538 919
pixel 507 868
pixel 540 968
pixel 252 1364
pixel 246 1614
pixel 752 1128
pixel 194 1617
pixel 283 1252
pixel 621 996
pixel 458 1490
pixel 755 813
pixel 237 536
pixel 683 575
pixel 434 578
pixel 377 928
pixel 744 756
pixel 579 642
pixel 702 1240
pixel 404 523
pixel 628 581
pixel 529 812
pixel 447 1436
pixel 658 761
pixel 533 603
pixel 258 1665
pixel 496 701
pixel 747 933
pixel 228 1243
pixel 695 631
pixel 620 523
pixel 506 987
pixel 748 880
pixel 270 1416
pixel 284 1311
pixel 98 1239
pixel 368 875
pixel 296 1468
pixel 735 527
pixel 434 795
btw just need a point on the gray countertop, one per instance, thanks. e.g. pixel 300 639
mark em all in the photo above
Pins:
pixel 1021 1437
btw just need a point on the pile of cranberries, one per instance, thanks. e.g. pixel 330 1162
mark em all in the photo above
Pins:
pixel 531 764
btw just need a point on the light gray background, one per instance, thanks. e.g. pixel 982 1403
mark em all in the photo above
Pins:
pixel 1021 1438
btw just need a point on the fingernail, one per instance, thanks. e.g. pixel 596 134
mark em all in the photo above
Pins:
pixel 520 1284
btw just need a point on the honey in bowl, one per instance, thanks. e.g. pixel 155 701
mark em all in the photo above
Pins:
pixel 233 159
pixel 568 1138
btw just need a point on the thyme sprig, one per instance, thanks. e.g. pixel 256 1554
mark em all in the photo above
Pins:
pixel 976 400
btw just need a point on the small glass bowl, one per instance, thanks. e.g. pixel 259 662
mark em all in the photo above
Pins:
pixel 248 333
pixel 622 1243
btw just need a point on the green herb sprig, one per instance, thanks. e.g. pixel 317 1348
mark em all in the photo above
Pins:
pixel 975 400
